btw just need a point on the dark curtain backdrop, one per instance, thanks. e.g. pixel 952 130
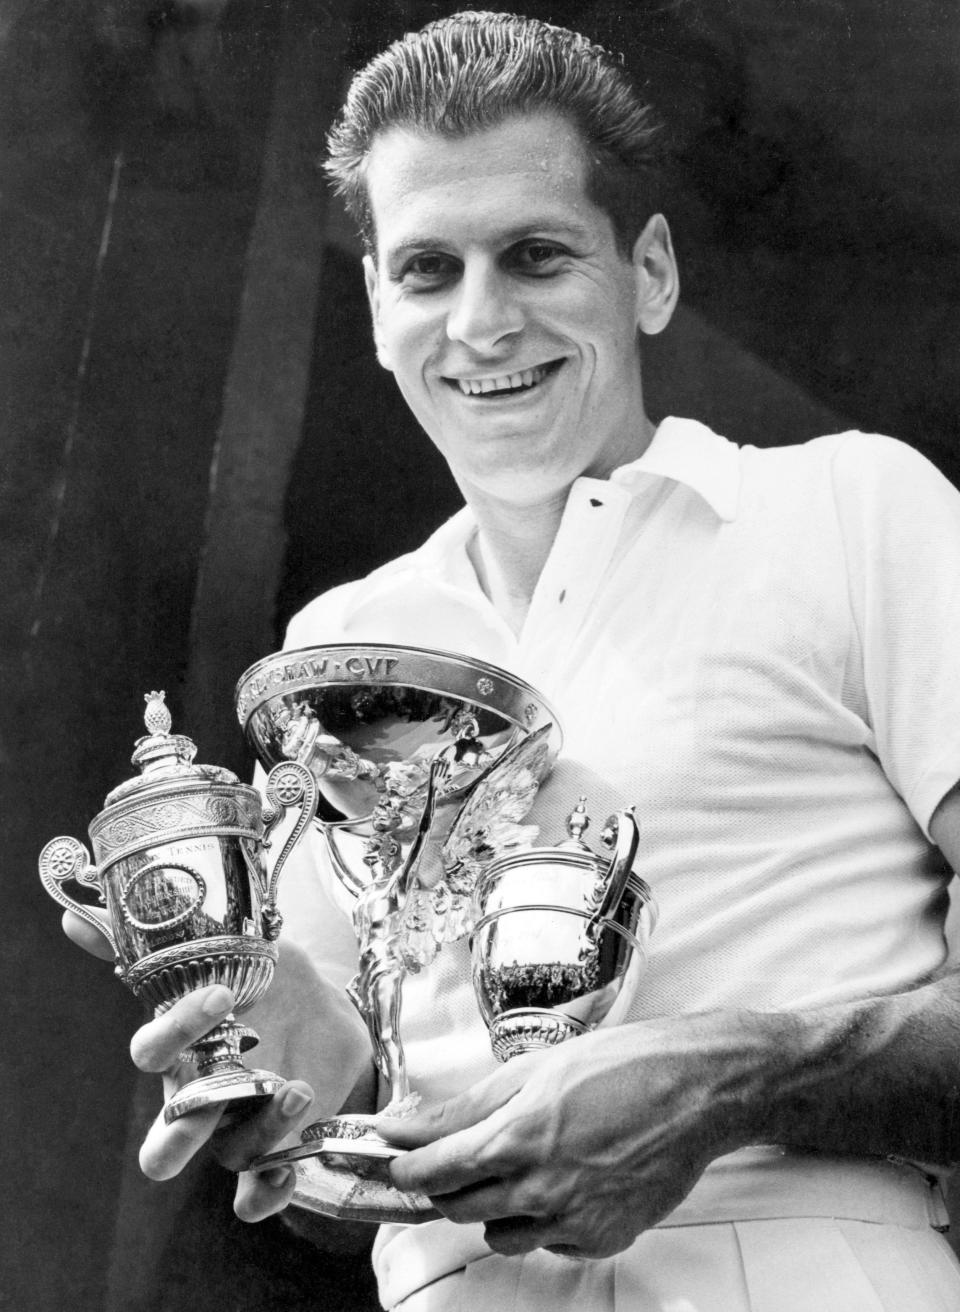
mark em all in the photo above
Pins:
pixel 196 439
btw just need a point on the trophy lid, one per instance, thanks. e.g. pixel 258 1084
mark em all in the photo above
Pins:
pixel 164 757
pixel 572 852
pixel 573 847
pixel 578 822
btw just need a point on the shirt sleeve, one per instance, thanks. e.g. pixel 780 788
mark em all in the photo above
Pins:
pixel 900 523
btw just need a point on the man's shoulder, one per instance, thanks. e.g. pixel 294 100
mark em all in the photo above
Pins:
pixel 868 464
pixel 846 451
pixel 850 443
pixel 852 461
pixel 328 614
pixel 872 487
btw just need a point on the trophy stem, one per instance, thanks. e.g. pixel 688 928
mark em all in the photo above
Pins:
pixel 222 1079
pixel 383 1026
pixel 377 989
pixel 220 1049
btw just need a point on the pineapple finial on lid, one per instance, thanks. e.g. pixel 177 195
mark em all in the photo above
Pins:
pixel 157 716
pixel 161 751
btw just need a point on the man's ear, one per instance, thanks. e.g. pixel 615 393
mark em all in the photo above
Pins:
pixel 656 277
pixel 373 296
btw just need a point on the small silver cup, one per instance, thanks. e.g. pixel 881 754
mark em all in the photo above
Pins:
pixel 180 867
pixel 560 940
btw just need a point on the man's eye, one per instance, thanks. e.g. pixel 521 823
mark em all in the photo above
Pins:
pixel 427 270
pixel 538 257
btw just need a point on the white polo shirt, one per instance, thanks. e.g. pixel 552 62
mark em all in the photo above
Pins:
pixel 755 647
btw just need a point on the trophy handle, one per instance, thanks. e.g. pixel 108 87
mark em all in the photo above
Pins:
pixel 66 858
pixel 341 866
pixel 288 784
pixel 622 832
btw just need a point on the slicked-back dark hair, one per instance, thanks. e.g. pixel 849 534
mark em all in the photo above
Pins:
pixel 472 71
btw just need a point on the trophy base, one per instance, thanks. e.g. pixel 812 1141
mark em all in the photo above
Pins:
pixel 343 1171
pixel 238 1090
pixel 526 1029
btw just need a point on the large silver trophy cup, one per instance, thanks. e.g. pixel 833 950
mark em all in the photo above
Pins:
pixel 399 740
pixel 432 761
pixel 181 868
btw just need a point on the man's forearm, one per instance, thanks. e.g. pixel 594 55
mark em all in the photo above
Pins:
pixel 878 1076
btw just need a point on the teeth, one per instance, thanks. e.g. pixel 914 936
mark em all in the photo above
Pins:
pixel 502 383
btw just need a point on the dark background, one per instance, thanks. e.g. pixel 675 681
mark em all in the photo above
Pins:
pixel 196 439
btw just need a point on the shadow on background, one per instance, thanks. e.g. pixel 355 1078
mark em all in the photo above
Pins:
pixel 816 163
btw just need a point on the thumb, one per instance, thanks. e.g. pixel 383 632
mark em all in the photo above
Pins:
pixel 473 1105
pixel 85 936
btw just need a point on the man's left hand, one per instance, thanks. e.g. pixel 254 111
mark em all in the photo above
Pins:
pixel 579 1148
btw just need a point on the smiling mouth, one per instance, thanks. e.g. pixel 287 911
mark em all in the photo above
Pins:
pixel 505 384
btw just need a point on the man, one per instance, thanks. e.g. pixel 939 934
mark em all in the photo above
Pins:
pixel 751 646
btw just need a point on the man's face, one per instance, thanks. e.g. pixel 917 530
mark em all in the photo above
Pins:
pixel 503 307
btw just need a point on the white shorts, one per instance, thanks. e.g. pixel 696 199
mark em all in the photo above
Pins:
pixel 764 1231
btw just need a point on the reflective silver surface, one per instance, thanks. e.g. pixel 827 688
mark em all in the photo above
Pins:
pixel 560 939
pixel 399 740
pixel 370 717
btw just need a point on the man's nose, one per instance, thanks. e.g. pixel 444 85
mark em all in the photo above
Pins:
pixel 485 310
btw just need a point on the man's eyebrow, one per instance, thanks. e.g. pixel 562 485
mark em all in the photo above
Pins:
pixel 544 226
pixel 414 244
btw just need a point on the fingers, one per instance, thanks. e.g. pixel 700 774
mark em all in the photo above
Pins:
pixel 236 1145
pixel 527 1213
pixel 466 1109
pixel 260 1195
pixel 494 1200
pixel 85 936
pixel 519 1219
pixel 451 1164
pixel 458 1162
pixel 168 1148
pixel 560 1234
pixel 522 1234
pixel 156 1046
pixel 459 1143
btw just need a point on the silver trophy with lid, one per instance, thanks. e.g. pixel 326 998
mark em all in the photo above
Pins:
pixel 180 863
pixel 560 937
pixel 428 763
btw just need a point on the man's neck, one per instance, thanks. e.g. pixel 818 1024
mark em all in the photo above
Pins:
pixel 515 538
pixel 510 551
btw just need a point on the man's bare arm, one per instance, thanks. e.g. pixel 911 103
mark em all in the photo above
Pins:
pixel 599 1139
pixel 880 1076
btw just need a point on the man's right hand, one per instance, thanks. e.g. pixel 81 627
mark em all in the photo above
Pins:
pixel 306 1027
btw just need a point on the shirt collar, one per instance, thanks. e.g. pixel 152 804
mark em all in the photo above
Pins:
pixel 681 449
pixel 690 453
